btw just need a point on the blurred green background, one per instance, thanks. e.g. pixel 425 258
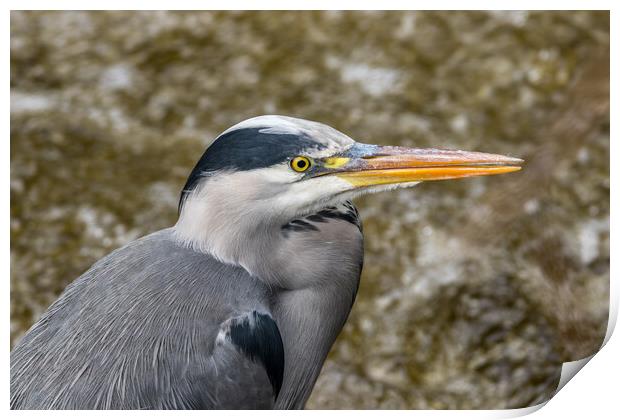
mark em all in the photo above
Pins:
pixel 473 291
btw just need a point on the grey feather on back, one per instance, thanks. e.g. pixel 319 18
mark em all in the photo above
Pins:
pixel 151 306
pixel 157 325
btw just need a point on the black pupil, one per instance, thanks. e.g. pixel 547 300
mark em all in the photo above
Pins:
pixel 301 163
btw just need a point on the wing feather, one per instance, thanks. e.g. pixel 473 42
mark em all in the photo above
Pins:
pixel 139 330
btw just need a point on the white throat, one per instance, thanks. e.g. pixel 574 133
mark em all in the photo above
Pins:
pixel 237 217
pixel 216 220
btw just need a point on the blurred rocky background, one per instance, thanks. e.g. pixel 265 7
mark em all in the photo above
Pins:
pixel 473 293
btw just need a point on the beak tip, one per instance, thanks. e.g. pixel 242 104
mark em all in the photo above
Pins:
pixel 511 162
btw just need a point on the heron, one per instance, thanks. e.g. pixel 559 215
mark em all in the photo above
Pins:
pixel 237 305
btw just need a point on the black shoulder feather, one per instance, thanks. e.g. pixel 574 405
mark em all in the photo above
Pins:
pixel 258 337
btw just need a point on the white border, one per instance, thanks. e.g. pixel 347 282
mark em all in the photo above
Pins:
pixel 309 5
pixel 593 394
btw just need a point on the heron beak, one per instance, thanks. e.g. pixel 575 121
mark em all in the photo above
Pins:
pixel 367 165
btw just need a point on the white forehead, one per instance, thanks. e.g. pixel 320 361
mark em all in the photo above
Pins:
pixel 332 139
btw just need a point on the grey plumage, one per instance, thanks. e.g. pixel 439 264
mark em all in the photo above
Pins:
pixel 238 304
pixel 139 330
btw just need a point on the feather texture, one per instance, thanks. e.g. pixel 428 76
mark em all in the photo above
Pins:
pixel 158 325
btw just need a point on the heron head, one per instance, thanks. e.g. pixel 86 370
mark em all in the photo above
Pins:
pixel 291 166
pixel 271 169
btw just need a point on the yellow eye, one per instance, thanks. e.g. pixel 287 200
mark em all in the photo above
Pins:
pixel 300 164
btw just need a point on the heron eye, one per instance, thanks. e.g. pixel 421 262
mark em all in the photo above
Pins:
pixel 300 164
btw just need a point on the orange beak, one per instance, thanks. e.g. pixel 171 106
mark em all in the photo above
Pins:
pixel 367 165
